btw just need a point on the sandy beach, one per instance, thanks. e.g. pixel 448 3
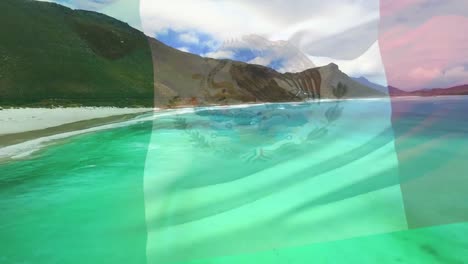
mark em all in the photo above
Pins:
pixel 18 120
pixel 18 125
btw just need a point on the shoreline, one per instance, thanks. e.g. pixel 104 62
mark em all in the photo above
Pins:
pixel 20 145
pixel 25 130
pixel 20 137
pixel 24 143
pixel 20 120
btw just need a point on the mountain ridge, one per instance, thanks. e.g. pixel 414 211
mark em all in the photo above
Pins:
pixel 182 78
pixel 364 81
pixel 454 90
pixel 54 55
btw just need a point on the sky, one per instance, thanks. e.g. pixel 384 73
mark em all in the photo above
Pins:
pixel 410 44
pixel 423 42
pixel 340 31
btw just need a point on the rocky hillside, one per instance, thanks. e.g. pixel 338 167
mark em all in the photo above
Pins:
pixel 185 79
pixel 52 55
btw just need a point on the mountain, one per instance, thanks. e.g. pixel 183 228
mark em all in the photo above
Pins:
pixel 456 90
pixel 52 55
pixel 186 79
pixel 364 81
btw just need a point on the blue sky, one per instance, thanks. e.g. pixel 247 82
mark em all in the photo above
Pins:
pixel 188 40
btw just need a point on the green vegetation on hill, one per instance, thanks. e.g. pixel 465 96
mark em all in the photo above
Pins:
pixel 52 55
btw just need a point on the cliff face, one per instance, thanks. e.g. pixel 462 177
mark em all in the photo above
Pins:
pixel 186 79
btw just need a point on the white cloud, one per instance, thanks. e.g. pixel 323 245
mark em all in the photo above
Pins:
pixel 261 60
pixel 458 73
pixel 220 54
pixel 184 49
pixel 189 37
pixel 276 20
pixel 454 76
pixel 423 73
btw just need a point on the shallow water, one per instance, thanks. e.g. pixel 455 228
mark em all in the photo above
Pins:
pixel 365 181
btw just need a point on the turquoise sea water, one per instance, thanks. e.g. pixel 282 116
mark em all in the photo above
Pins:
pixel 364 181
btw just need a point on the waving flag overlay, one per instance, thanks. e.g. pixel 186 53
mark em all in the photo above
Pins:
pixel 260 132
pixel 267 183
pixel 339 181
